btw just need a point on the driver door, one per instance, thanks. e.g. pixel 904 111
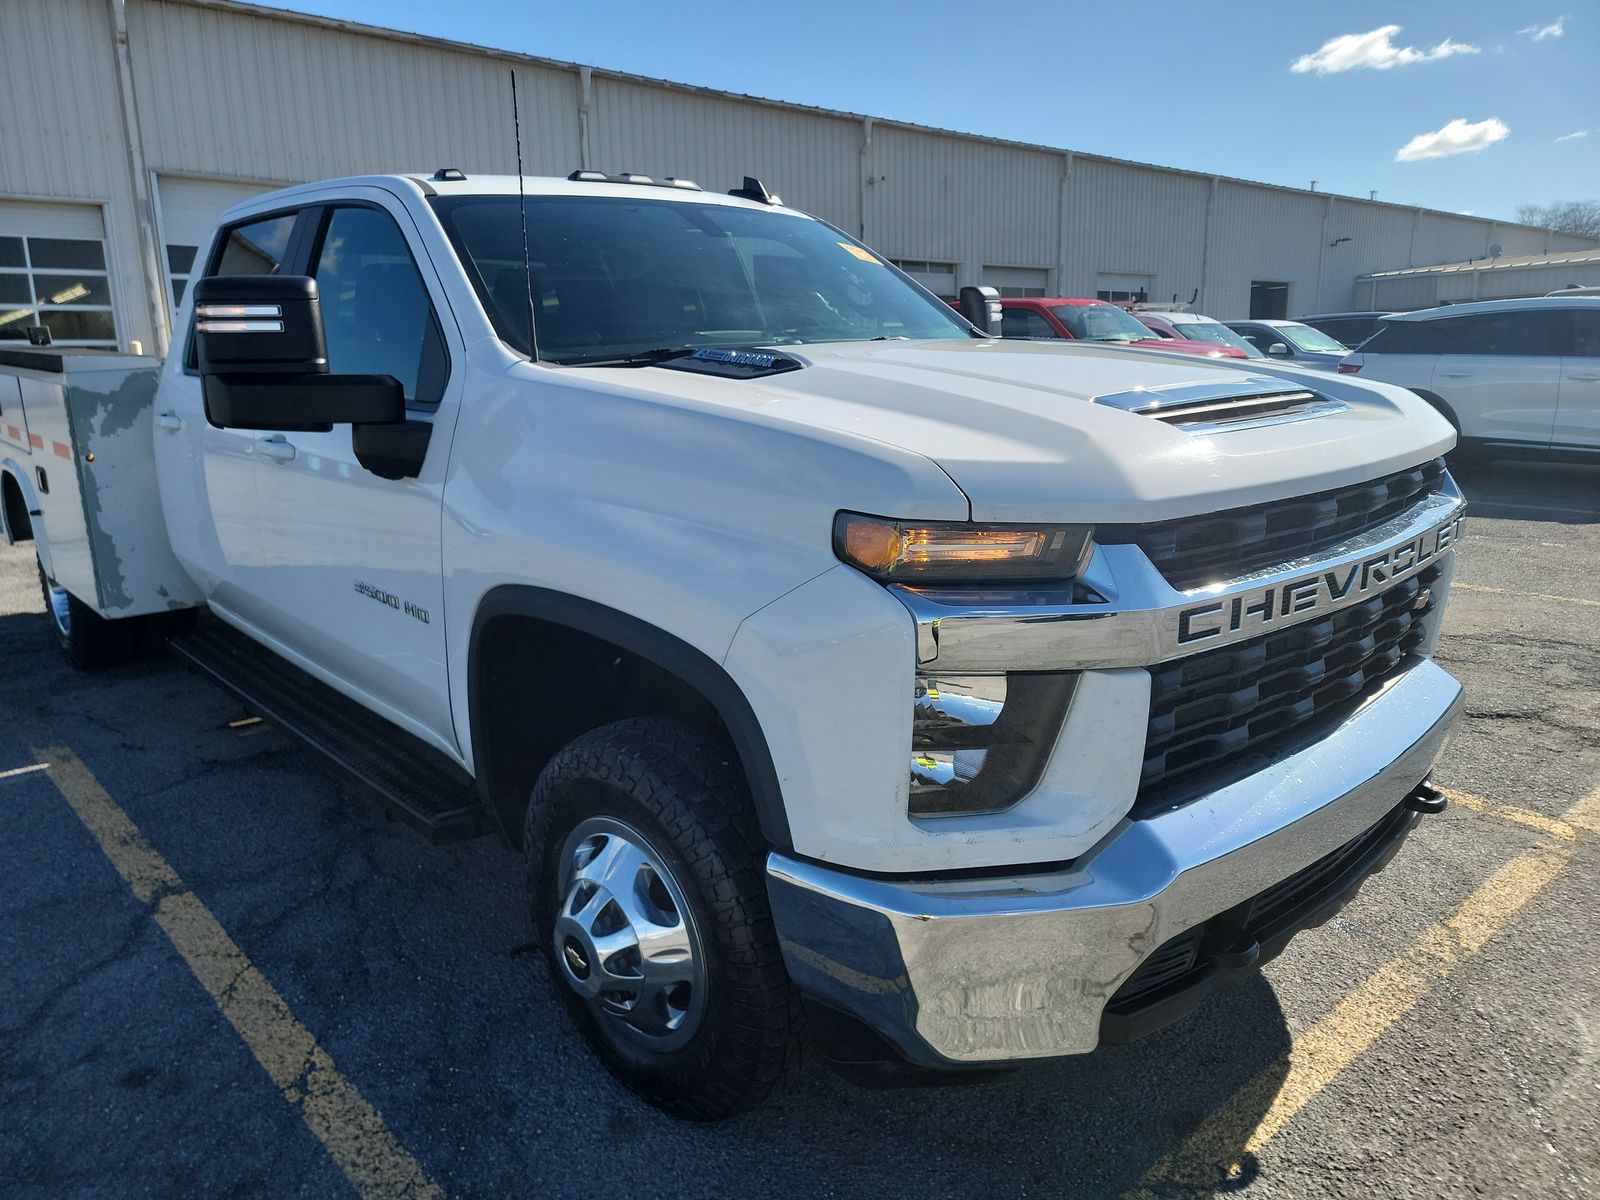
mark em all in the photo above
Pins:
pixel 350 572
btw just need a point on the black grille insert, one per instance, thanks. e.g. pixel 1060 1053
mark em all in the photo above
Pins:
pixel 1216 715
pixel 1195 551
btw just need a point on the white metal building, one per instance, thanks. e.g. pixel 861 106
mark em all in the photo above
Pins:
pixel 1498 277
pixel 126 126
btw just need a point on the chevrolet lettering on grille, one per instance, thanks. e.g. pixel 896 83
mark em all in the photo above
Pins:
pixel 1320 590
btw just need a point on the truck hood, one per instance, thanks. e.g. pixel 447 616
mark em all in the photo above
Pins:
pixel 1016 424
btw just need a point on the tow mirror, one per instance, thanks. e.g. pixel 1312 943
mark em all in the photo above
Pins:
pixel 264 360
pixel 981 306
pixel 1278 348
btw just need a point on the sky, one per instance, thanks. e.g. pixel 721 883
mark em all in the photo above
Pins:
pixel 1464 106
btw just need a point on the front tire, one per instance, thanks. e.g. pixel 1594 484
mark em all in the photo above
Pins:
pixel 647 885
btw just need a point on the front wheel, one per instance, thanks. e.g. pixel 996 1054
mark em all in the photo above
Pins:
pixel 647 884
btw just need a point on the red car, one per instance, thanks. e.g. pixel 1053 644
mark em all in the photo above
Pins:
pixel 1093 321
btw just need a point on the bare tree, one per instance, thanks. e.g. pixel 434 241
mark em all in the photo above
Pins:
pixel 1581 217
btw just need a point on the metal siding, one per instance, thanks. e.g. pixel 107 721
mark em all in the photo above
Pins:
pixel 61 122
pixel 1122 220
pixel 811 162
pixel 229 95
pixel 956 200
pixel 240 94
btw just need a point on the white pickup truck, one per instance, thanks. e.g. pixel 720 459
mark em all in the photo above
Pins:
pixel 832 663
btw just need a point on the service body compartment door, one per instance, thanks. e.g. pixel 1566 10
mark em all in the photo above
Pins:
pixel 100 527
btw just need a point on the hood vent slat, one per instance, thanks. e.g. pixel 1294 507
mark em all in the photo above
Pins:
pixel 1215 407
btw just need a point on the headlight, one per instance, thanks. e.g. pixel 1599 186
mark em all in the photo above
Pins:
pixel 958 552
pixel 979 743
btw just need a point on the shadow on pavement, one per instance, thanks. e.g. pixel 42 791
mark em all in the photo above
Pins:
pixel 1561 491
pixel 415 968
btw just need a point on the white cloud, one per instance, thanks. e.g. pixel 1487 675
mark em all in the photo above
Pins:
pixel 1571 137
pixel 1375 50
pixel 1458 137
pixel 1556 28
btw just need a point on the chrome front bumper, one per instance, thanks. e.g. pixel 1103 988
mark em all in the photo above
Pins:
pixel 974 971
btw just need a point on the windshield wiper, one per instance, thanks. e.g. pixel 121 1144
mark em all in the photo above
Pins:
pixel 643 358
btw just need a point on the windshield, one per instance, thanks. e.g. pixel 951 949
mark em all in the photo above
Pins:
pixel 1313 340
pixel 614 277
pixel 1217 332
pixel 1101 323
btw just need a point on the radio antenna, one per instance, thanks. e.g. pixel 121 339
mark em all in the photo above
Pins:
pixel 522 210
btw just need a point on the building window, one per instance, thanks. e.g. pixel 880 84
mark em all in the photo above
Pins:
pixel 60 283
pixel 1117 296
pixel 180 265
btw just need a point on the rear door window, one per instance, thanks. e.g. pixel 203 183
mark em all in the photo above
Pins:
pixel 255 247
pixel 259 246
pixel 1528 332
pixel 1586 333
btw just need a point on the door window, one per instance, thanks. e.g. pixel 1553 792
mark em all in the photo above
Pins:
pixel 1586 333
pixel 1025 323
pixel 1525 332
pixel 256 247
pixel 375 308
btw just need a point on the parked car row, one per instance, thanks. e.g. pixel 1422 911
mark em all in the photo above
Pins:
pixel 1508 374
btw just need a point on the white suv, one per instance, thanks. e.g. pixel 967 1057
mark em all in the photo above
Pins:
pixel 1506 372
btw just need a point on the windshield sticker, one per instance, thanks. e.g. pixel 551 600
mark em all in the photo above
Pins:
pixel 863 255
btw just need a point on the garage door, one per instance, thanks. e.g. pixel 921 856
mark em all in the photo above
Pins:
pixel 53 273
pixel 938 277
pixel 189 211
pixel 1122 288
pixel 1017 281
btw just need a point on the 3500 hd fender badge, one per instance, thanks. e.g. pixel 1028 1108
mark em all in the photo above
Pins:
pixel 1315 593
pixel 393 601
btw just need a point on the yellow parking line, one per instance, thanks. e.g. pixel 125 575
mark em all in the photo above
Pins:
pixel 1211 1156
pixel 1478 587
pixel 1561 830
pixel 348 1127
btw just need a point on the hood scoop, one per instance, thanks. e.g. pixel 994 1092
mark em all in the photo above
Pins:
pixel 1216 407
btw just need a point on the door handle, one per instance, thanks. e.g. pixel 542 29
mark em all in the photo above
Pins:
pixel 276 448
pixel 1586 378
pixel 170 421
pixel 1455 374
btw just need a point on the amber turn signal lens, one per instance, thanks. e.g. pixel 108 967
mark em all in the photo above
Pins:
pixel 957 552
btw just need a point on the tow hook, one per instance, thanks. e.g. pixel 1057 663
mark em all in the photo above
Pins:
pixel 1426 799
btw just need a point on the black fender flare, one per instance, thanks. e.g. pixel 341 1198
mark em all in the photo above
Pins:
pixel 664 650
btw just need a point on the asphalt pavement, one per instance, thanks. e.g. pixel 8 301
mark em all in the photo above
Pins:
pixel 1439 1038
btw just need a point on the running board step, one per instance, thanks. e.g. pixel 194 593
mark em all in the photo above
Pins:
pixel 420 785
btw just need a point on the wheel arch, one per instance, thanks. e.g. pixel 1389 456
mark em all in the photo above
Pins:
pixel 16 507
pixel 1443 405
pixel 627 667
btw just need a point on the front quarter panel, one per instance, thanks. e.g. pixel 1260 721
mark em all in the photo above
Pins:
pixel 680 514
